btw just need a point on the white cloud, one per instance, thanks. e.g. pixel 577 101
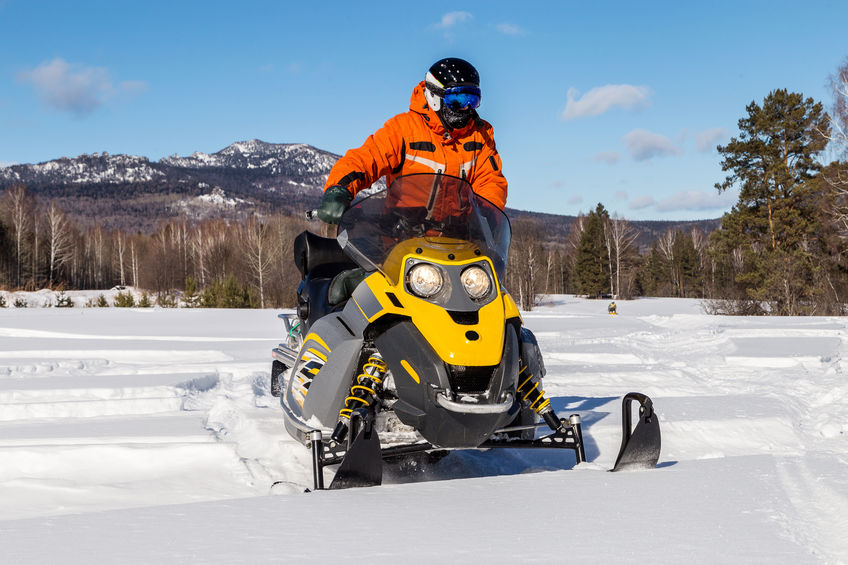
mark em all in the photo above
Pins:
pixel 643 145
pixel 577 199
pixel 451 19
pixel 509 29
pixel 75 88
pixel 642 202
pixel 608 157
pixel 707 140
pixel 602 98
pixel 697 200
pixel 688 200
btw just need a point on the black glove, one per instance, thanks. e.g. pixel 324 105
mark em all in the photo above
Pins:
pixel 336 200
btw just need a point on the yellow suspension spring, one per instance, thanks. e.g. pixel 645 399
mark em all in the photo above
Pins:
pixel 365 387
pixel 531 394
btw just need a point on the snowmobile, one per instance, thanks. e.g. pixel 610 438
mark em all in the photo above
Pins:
pixel 428 352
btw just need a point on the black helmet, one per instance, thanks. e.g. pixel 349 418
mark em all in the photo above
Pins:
pixel 446 73
pixel 453 91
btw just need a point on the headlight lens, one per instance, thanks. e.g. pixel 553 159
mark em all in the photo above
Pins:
pixel 425 280
pixel 476 282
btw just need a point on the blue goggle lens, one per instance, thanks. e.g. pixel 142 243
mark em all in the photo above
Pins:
pixel 462 97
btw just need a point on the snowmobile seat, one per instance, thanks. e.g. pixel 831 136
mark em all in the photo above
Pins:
pixel 311 250
pixel 319 260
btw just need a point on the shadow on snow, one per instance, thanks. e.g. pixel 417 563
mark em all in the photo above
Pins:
pixel 471 463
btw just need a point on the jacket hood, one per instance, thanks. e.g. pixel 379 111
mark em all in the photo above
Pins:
pixel 418 104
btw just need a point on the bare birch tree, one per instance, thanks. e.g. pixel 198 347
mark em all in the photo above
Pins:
pixel 120 253
pixel 837 176
pixel 197 244
pixel 665 244
pixel 259 252
pixel 59 241
pixel 18 208
pixel 35 270
pixel 574 236
pixel 134 263
pixel 608 244
pixel 99 251
pixel 839 112
pixel 622 237
pixel 524 261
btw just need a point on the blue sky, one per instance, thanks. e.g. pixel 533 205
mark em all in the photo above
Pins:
pixel 615 102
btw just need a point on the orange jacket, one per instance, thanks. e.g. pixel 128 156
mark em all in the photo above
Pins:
pixel 416 142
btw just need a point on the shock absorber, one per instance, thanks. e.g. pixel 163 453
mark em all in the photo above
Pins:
pixel 363 392
pixel 533 397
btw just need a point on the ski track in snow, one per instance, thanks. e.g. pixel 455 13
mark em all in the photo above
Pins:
pixel 174 407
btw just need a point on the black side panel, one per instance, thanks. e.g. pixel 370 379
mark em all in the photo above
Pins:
pixel 403 342
pixel 418 407
pixel 506 374
pixel 311 250
pixel 531 355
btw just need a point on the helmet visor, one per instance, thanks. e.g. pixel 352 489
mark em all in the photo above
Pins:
pixel 462 97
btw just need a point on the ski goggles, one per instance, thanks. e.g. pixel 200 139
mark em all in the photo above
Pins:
pixel 462 97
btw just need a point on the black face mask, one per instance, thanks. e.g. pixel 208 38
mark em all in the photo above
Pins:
pixel 455 119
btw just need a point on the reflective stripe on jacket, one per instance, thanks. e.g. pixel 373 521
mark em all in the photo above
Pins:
pixel 416 142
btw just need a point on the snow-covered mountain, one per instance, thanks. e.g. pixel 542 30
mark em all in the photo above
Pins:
pixel 287 159
pixel 131 191
pixel 94 168
pixel 270 166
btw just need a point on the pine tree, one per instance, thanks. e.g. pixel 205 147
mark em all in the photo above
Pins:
pixel 769 232
pixel 592 261
pixel 771 160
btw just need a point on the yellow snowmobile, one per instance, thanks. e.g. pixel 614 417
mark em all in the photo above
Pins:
pixel 428 351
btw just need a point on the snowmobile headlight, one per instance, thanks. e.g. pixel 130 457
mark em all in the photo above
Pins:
pixel 476 282
pixel 425 280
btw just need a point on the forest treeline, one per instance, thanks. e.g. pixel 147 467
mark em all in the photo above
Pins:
pixel 251 258
pixel 780 250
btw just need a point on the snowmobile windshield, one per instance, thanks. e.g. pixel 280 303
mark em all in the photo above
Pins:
pixel 438 208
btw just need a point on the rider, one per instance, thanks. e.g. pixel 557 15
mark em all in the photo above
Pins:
pixel 441 133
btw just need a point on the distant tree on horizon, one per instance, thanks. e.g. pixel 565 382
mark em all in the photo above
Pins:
pixel 774 230
pixel 592 264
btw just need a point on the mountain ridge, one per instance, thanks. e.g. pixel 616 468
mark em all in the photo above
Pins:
pixel 129 191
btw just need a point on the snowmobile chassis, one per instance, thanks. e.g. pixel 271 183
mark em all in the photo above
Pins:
pixel 360 458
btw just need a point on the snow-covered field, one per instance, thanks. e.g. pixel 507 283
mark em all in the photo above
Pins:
pixel 149 435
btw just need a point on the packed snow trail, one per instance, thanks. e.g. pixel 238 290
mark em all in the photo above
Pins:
pixel 94 421
pixel 157 428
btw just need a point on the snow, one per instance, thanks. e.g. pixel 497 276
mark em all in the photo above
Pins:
pixel 148 435
pixel 46 298
pixel 218 198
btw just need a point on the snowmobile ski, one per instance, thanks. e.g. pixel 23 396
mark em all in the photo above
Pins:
pixel 640 446
pixel 362 465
